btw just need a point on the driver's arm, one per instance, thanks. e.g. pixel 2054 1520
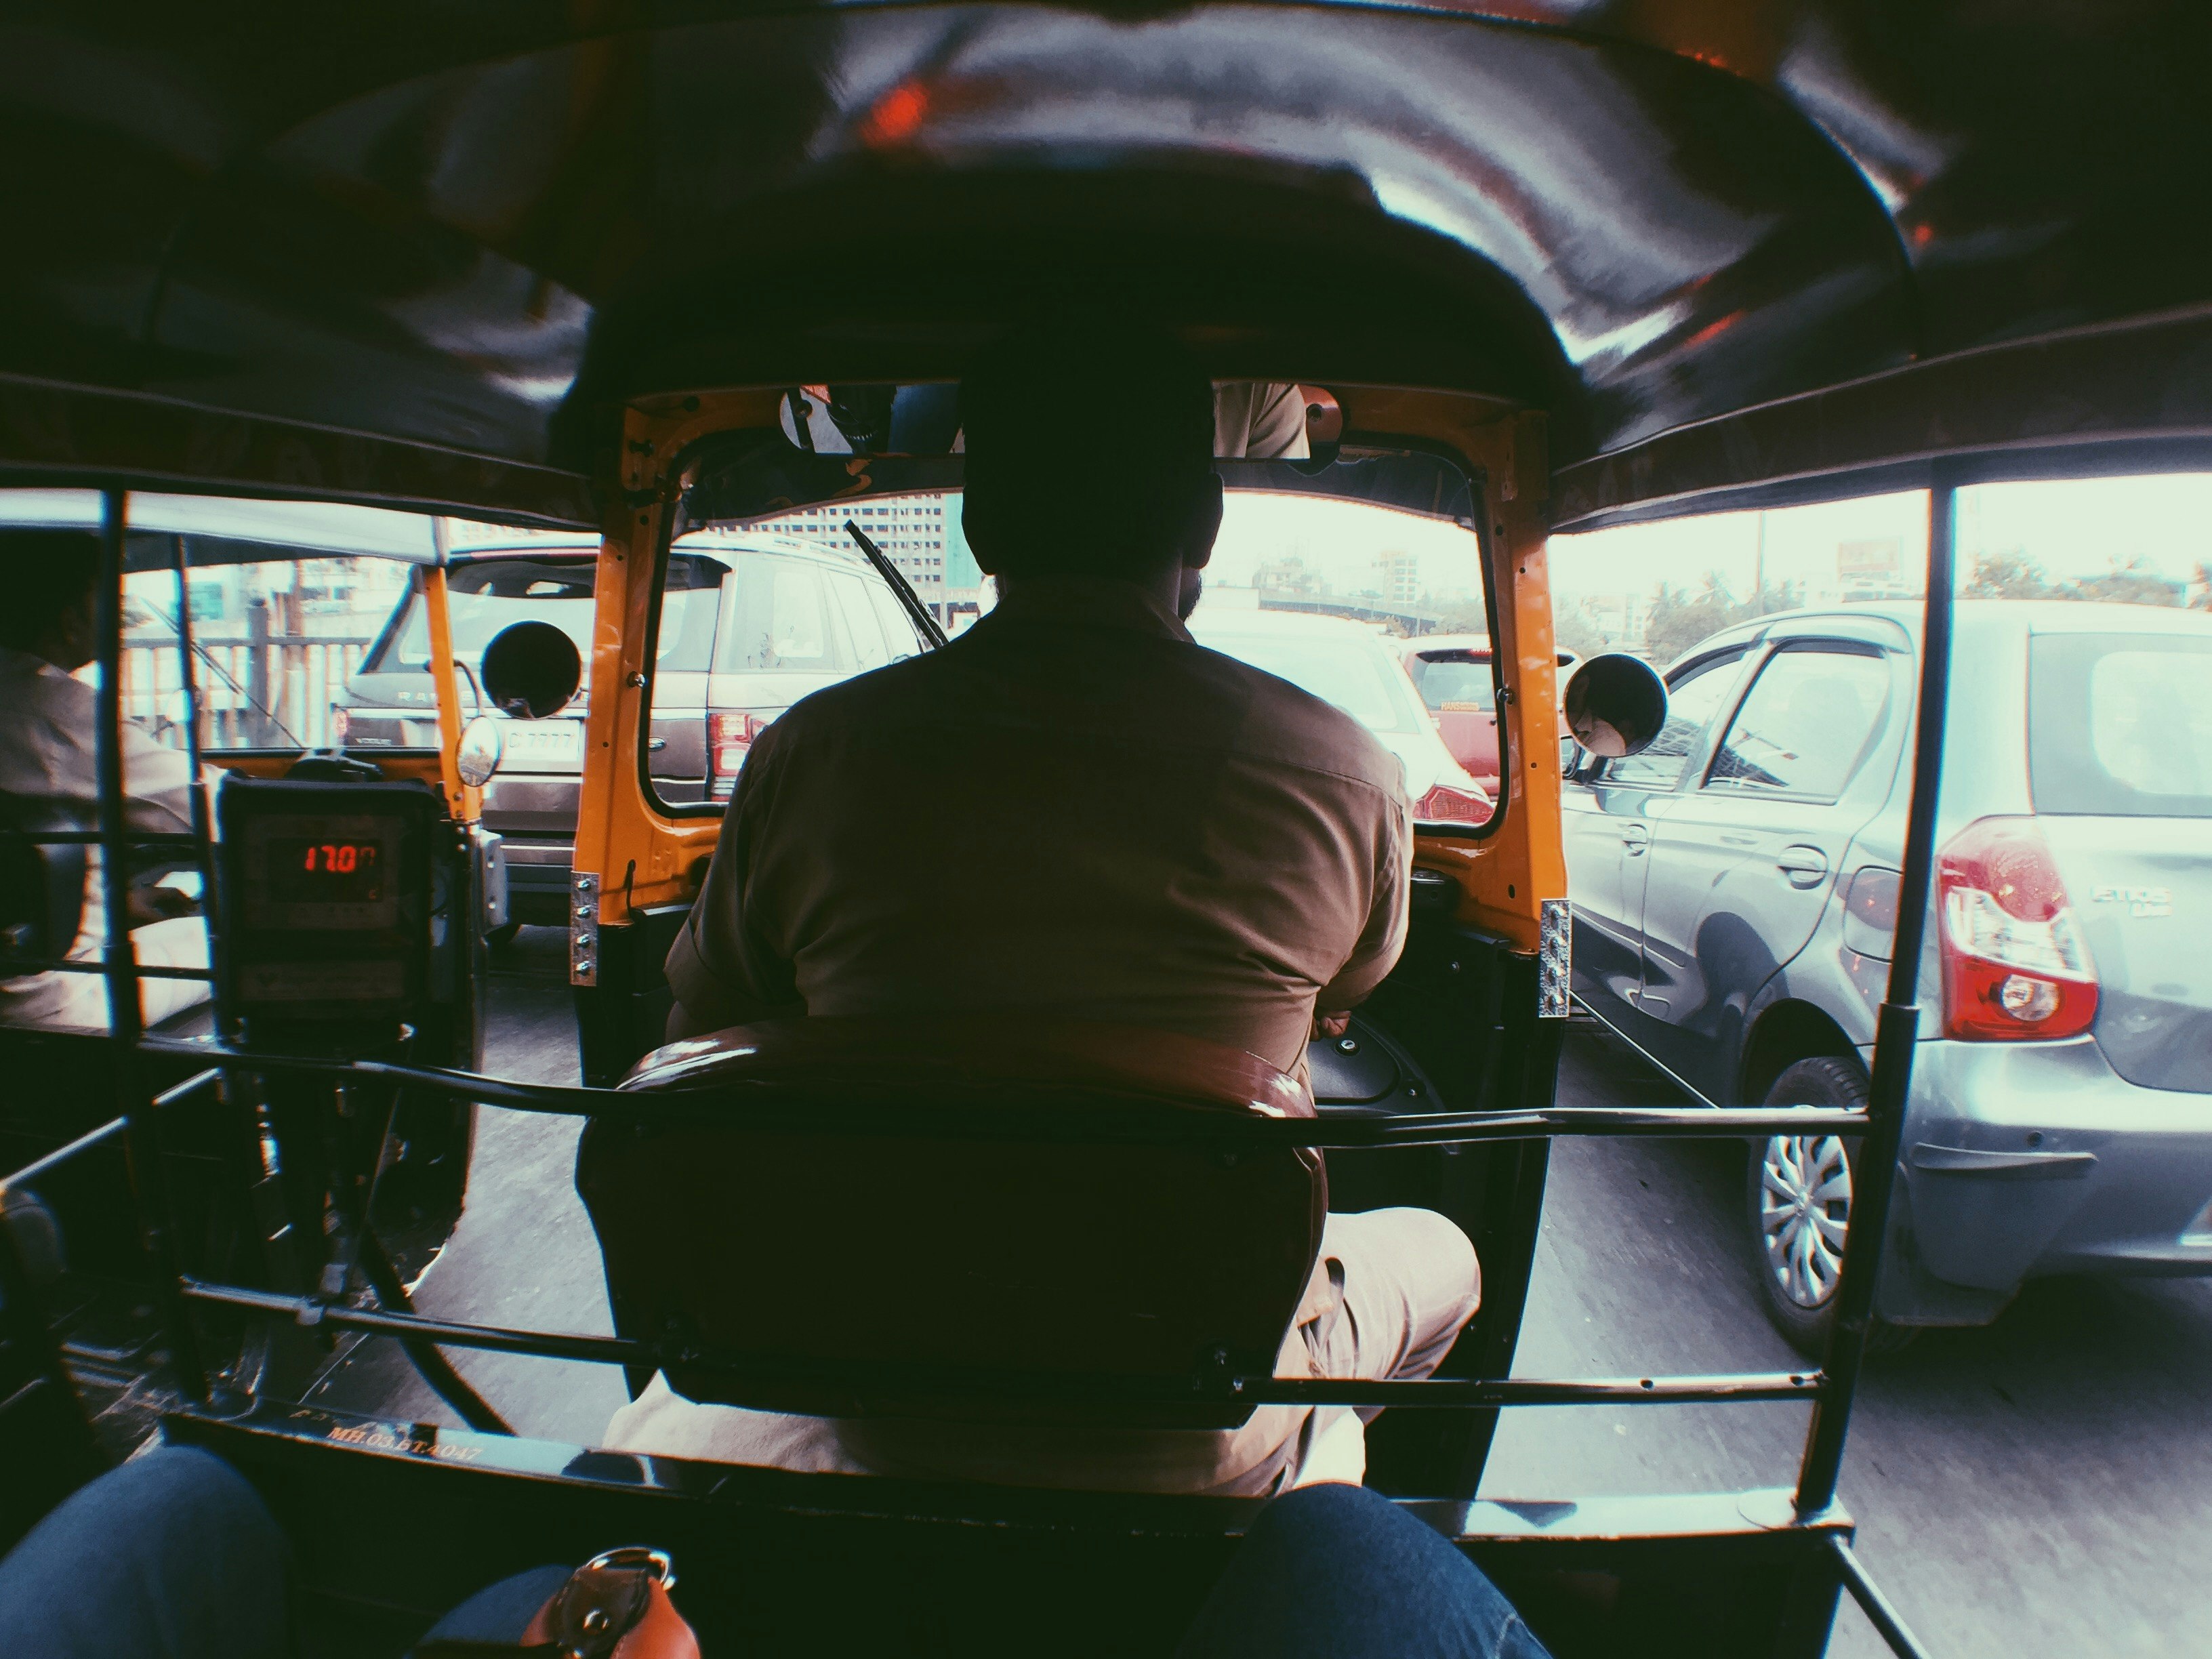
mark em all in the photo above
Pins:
pixel 1384 936
pixel 724 972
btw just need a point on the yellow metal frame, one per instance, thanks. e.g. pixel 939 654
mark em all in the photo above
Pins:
pixel 644 856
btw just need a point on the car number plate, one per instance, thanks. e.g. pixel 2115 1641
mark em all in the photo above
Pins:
pixel 540 743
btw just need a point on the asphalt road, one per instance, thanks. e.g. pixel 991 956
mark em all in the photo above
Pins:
pixel 2043 1486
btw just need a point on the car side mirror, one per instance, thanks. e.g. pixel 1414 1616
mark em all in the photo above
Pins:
pixel 530 669
pixel 1615 705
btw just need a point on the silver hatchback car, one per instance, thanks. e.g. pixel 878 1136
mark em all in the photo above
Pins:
pixel 1735 889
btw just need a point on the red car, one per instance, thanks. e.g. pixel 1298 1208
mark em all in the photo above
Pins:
pixel 1453 673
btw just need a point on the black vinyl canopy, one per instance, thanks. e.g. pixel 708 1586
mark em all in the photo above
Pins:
pixel 477 228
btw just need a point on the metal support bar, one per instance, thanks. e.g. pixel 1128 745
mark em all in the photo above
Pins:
pixel 70 965
pixel 1872 1602
pixel 61 1155
pixel 1897 1028
pixel 106 1132
pixel 1454 1392
pixel 99 837
pixel 202 809
pixel 1141 1121
pixel 125 1014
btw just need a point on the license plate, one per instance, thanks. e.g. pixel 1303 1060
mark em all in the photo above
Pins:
pixel 541 743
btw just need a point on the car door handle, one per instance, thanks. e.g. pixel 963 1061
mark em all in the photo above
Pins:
pixel 1802 865
pixel 656 744
pixel 1635 838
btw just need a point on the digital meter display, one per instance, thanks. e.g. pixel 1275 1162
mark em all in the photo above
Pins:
pixel 309 872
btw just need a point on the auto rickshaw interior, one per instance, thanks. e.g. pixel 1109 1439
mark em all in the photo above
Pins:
pixel 581 271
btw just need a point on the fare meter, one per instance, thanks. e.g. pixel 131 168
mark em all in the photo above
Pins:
pixel 335 902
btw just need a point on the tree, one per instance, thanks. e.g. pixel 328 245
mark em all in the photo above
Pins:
pixel 2007 576
pixel 1464 617
pixel 1679 618
pixel 1573 630
pixel 2132 583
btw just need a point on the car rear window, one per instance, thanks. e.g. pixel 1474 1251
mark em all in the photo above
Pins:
pixel 2120 724
pixel 779 620
pixel 1460 679
pixel 484 596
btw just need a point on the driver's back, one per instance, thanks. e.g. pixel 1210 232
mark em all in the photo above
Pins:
pixel 1167 838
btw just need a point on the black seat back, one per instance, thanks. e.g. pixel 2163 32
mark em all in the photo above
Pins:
pixel 786 1250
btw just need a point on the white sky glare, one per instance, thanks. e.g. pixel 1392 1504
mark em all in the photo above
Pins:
pixel 2073 528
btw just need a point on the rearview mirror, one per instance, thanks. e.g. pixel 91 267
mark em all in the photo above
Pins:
pixel 530 669
pixel 1253 420
pixel 1615 705
pixel 483 744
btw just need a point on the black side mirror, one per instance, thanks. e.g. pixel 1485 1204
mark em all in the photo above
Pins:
pixel 1615 705
pixel 530 669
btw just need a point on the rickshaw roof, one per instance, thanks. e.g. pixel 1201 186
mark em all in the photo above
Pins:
pixel 476 228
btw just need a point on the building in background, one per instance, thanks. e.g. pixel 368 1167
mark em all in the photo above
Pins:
pixel 921 535
pixel 1398 578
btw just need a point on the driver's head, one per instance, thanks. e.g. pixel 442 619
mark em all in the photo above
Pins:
pixel 52 580
pixel 1089 453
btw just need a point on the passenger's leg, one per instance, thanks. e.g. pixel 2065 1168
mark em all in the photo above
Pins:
pixel 179 942
pixel 173 1556
pixel 1410 1283
pixel 500 1611
pixel 1339 1572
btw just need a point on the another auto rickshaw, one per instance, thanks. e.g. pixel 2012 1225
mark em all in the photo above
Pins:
pixel 1530 268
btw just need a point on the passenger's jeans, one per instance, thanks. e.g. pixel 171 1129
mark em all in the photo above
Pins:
pixel 1340 1572
pixel 173 1556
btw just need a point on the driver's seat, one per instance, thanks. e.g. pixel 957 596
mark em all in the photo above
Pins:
pixel 1047 1258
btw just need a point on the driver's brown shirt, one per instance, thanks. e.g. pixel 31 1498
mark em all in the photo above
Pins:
pixel 1073 811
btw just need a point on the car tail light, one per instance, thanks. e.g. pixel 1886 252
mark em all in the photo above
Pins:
pixel 729 740
pixel 1451 802
pixel 339 721
pixel 2015 965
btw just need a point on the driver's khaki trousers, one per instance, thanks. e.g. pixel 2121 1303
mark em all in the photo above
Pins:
pixel 1390 1292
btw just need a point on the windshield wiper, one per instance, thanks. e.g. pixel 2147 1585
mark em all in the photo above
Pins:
pixel 915 608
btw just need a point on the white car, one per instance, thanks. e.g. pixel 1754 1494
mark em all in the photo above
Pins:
pixel 1352 666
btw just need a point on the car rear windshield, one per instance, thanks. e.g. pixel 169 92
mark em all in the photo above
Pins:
pixel 2120 724
pixel 485 595
pixel 1459 679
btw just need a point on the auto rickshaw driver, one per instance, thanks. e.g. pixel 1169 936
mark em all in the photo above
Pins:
pixel 1176 842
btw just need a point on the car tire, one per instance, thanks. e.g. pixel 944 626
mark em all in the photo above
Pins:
pixel 503 934
pixel 1796 1252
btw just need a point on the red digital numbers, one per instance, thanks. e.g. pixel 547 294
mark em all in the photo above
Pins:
pixel 339 857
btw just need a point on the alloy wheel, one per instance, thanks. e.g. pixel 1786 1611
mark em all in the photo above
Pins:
pixel 1804 1214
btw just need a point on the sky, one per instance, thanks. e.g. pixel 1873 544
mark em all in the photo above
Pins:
pixel 2073 528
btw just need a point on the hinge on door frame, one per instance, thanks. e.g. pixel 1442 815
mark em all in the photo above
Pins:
pixel 1554 960
pixel 583 928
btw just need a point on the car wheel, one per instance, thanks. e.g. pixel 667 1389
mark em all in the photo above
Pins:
pixel 503 934
pixel 1797 1203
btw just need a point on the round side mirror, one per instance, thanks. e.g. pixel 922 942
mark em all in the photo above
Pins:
pixel 530 669
pixel 1615 705
pixel 482 744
